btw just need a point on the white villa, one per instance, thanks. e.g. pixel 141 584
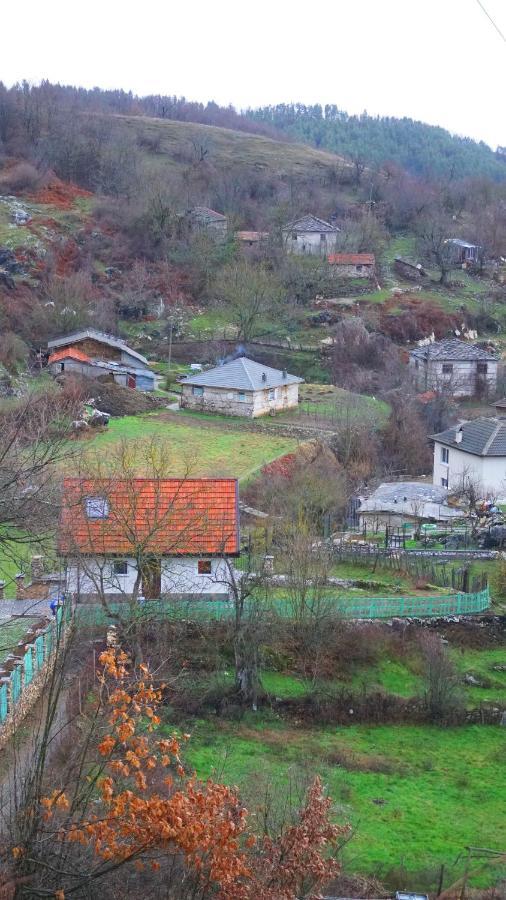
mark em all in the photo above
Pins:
pixel 472 451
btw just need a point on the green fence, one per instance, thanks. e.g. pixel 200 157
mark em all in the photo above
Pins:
pixel 365 608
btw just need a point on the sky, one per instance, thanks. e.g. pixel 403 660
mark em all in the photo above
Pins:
pixel 440 61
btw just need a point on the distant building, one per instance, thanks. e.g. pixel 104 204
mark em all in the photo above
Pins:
pixel 353 265
pixel 201 218
pixel 395 503
pixel 473 452
pixel 251 238
pixel 93 353
pixel 464 252
pixel 310 235
pixel 453 367
pixel 241 387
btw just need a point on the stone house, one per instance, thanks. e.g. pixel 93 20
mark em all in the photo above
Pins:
pixel 202 218
pixel 92 353
pixel 473 452
pixel 352 265
pixel 310 235
pixel 160 536
pixel 454 367
pixel 394 503
pixel 241 387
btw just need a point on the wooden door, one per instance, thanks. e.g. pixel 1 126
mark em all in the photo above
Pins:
pixel 131 381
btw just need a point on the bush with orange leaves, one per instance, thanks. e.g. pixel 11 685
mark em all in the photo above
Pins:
pixel 203 824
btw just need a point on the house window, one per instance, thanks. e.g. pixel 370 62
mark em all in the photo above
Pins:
pixel 323 238
pixel 482 368
pixel 445 455
pixel 444 482
pixel 294 236
pixel 97 508
pixel 197 391
pixel 62 367
pixel 447 368
pixel 241 396
pixel 272 394
pixel 359 268
pixel 120 567
pixel 204 567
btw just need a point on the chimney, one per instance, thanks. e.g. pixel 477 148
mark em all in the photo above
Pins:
pixel 458 435
pixel 20 586
pixel 285 373
pixel 37 568
pixel 264 376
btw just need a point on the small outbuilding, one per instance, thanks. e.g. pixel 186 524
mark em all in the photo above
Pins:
pixel 352 265
pixel 241 387
pixel 92 353
pixel 395 503
pixel 202 218
pixel 464 252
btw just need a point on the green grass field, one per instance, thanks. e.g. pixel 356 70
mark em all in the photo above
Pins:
pixel 206 448
pixel 415 796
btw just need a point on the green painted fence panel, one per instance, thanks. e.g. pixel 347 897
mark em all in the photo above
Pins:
pixel 3 702
pixel 15 684
pixel 352 608
pixel 28 666
pixel 39 651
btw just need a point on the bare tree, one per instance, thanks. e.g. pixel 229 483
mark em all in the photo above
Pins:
pixel 434 230
pixel 252 296
pixel 442 688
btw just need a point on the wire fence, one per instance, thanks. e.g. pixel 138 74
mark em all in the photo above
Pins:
pixel 456 604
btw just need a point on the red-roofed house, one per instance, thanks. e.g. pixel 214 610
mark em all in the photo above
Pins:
pixel 353 265
pixel 148 536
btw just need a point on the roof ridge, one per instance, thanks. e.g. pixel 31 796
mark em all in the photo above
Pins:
pixel 492 437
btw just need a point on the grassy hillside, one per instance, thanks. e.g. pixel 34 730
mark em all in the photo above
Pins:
pixel 172 141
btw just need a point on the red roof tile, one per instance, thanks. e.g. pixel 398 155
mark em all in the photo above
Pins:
pixel 166 517
pixel 352 259
pixel 69 353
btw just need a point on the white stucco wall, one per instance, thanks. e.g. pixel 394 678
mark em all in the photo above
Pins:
pixel 179 575
pixel 461 382
pixel 489 473
pixel 309 242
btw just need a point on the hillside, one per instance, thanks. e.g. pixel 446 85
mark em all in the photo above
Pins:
pixel 175 143
pixel 422 149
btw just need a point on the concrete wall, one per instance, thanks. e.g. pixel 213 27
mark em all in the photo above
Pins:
pixel 488 473
pixel 309 242
pixel 256 403
pixel 179 575
pixel 463 381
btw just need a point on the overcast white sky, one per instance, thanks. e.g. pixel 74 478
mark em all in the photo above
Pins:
pixel 436 60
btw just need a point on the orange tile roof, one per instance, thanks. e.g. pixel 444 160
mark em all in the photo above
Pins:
pixel 166 517
pixel 69 353
pixel 352 259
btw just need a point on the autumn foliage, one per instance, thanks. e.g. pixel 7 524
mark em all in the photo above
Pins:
pixel 149 809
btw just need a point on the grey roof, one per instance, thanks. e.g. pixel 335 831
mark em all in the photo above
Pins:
pixel 481 437
pixel 95 335
pixel 311 223
pixel 458 242
pixel 410 498
pixel 207 214
pixel 452 349
pixel 242 374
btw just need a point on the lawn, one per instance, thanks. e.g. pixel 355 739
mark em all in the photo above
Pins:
pixel 208 448
pixel 415 796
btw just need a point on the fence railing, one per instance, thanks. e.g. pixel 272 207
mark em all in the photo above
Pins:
pixel 456 604
pixel 30 664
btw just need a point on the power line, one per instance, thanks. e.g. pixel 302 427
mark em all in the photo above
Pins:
pixel 490 19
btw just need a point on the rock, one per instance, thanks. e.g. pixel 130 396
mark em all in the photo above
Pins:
pixel 470 679
pixel 499 668
pixel 79 425
pixel 20 216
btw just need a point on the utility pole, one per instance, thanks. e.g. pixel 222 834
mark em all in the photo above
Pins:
pixel 171 328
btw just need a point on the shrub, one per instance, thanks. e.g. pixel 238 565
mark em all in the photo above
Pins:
pixel 21 177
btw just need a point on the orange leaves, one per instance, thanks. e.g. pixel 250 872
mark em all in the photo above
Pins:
pixel 59 895
pixel 205 825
